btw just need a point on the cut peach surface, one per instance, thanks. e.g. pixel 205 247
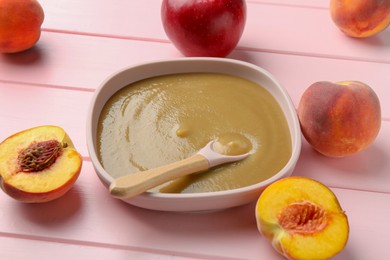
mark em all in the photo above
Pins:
pixel 39 164
pixel 302 218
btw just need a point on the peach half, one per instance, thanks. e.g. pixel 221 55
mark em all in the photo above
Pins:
pixel 360 18
pixel 339 119
pixel 302 218
pixel 20 24
pixel 39 164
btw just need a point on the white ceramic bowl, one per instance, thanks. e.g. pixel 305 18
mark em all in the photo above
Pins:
pixel 194 201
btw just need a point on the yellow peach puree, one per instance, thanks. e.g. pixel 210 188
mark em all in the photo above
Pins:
pixel 168 118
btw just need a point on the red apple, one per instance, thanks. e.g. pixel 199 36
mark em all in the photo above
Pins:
pixel 204 27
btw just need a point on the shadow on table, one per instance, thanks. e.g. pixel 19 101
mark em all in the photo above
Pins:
pixel 359 171
pixel 380 39
pixel 53 213
pixel 24 58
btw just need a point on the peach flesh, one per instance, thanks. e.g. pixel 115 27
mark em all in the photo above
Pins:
pixel 38 164
pixel 302 218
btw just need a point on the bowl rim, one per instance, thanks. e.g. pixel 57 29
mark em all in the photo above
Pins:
pixel 295 130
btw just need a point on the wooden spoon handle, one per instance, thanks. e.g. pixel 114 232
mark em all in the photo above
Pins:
pixel 137 183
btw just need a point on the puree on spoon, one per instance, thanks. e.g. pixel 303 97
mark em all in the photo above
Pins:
pixel 164 119
pixel 232 144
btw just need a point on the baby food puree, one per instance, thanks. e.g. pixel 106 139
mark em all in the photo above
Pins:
pixel 164 119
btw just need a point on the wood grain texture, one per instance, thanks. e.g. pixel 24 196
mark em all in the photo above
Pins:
pixel 297 27
pixel 84 42
pixel 16 248
pixel 87 215
pixel 87 61
pixel 24 106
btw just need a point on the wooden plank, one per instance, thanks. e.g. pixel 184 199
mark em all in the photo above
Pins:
pixel 88 61
pixel 297 3
pixel 85 41
pixel 16 248
pixel 367 170
pixel 278 27
pixel 25 106
pixel 361 208
pixel 306 31
pixel 84 63
pixel 87 213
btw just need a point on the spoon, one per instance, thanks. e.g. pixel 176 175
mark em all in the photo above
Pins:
pixel 134 184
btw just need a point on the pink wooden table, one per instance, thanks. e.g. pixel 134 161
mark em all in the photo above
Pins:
pixel 83 42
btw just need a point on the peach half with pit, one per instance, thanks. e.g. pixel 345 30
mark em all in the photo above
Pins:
pixel 360 18
pixel 302 218
pixel 20 24
pixel 339 119
pixel 39 164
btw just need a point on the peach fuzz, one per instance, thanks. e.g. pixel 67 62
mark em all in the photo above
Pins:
pixel 339 119
pixel 20 24
pixel 360 18
pixel 302 218
pixel 39 164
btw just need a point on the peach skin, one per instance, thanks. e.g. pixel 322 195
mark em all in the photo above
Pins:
pixel 360 18
pixel 339 119
pixel 20 24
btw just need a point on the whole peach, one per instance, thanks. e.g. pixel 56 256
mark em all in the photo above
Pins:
pixel 20 24
pixel 339 119
pixel 360 18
